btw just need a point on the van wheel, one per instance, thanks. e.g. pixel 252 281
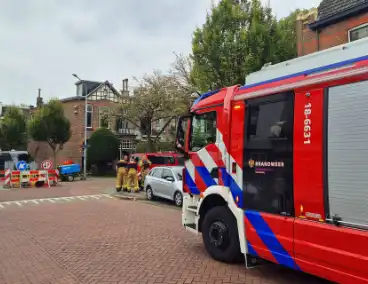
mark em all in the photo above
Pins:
pixel 220 235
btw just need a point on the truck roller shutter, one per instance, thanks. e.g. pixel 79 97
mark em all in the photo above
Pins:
pixel 347 152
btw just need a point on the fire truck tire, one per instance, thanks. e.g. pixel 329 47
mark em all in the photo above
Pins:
pixel 220 235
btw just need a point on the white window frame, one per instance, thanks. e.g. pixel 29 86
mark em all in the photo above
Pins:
pixel 91 112
pixel 127 144
pixel 355 28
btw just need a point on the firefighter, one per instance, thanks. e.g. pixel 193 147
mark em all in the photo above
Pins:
pixel 122 174
pixel 133 176
pixel 144 164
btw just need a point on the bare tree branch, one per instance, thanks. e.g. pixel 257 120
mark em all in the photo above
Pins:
pixel 163 129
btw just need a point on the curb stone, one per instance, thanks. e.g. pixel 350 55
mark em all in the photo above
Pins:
pixel 129 196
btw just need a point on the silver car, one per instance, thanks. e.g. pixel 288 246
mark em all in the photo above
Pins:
pixel 165 182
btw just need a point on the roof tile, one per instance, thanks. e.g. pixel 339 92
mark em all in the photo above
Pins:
pixel 328 8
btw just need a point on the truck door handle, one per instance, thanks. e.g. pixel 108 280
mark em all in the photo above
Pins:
pixel 214 172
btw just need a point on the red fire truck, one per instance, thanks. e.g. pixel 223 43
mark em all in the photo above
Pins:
pixel 277 170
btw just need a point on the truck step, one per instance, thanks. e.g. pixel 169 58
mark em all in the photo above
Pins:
pixel 192 208
pixel 191 226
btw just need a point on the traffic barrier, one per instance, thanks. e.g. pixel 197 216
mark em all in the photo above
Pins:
pixel 24 177
pixel 7 177
pixel 32 178
pixel 52 177
pixel 15 179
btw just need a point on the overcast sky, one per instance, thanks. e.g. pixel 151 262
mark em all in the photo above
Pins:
pixel 42 42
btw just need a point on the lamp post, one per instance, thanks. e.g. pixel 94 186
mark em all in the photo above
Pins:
pixel 85 132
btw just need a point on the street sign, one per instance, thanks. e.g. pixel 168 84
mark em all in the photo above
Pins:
pixel 22 166
pixel 46 165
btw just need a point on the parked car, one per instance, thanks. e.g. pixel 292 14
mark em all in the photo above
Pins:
pixel 166 183
pixel 160 159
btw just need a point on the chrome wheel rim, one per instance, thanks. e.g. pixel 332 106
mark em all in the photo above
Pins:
pixel 149 193
pixel 178 199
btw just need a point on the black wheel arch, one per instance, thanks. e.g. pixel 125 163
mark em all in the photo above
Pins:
pixel 209 202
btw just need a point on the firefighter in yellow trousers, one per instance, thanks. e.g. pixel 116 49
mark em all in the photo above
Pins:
pixel 144 165
pixel 122 174
pixel 133 176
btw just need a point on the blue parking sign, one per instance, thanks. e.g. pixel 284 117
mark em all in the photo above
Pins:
pixel 22 166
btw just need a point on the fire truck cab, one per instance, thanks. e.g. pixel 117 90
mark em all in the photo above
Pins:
pixel 278 169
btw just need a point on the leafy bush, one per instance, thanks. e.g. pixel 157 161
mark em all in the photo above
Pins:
pixel 103 147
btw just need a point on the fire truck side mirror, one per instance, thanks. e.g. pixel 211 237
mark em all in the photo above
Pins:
pixel 182 131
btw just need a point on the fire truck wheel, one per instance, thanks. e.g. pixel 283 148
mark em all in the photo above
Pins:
pixel 220 235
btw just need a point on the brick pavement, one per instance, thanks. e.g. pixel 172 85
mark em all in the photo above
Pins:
pixel 114 241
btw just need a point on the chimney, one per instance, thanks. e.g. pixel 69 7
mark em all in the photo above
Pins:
pixel 125 91
pixel 39 99
pixel 304 34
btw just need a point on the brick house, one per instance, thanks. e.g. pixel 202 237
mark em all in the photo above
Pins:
pixel 102 100
pixel 335 22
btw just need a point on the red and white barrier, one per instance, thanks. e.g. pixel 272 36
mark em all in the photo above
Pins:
pixel 7 177
pixel 34 178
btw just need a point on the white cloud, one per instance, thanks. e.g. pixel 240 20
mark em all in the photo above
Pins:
pixel 44 41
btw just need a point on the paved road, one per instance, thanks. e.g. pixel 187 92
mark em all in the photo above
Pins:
pixel 99 239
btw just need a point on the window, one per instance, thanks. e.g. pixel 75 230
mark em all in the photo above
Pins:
pixel 80 90
pixel 358 33
pixel 24 157
pixel 269 121
pixel 268 149
pixel 127 144
pixel 4 158
pixel 167 174
pixel 161 160
pixel 178 173
pixel 203 130
pixel 157 173
pixel 105 117
pixel 181 161
pixel 156 160
pixel 169 160
pixel 89 115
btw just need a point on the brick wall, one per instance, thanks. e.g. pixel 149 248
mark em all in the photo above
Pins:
pixel 75 112
pixel 309 41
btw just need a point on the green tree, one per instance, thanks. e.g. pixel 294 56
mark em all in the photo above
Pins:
pixel 238 39
pixel 287 47
pixel 103 147
pixel 13 130
pixel 158 98
pixel 51 126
